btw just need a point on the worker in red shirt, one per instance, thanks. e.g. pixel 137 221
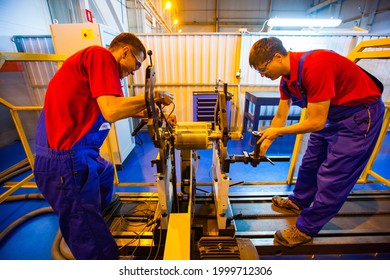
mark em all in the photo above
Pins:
pixel 82 100
pixel 344 117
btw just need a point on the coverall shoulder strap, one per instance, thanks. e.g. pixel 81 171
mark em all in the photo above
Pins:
pixel 300 66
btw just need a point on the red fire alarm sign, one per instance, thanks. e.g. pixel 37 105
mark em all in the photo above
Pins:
pixel 88 14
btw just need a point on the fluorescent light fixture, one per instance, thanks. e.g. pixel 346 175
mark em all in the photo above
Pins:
pixel 303 22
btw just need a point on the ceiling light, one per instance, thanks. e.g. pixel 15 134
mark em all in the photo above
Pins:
pixel 168 5
pixel 303 22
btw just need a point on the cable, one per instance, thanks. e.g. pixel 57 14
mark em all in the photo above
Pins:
pixel 146 220
pixel 14 167
pixel 60 250
pixel 262 28
pixel 14 170
pixel 157 224
pixel 65 250
pixel 55 249
pixel 159 242
pixel 24 196
pixel 140 139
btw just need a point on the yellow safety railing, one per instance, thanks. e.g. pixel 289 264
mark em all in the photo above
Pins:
pixel 358 53
pixel 14 111
pixel 295 153
pixel 368 169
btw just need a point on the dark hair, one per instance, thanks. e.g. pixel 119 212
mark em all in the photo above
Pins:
pixel 125 39
pixel 264 49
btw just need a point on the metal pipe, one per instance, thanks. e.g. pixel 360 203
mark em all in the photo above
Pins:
pixel 216 15
pixel 320 6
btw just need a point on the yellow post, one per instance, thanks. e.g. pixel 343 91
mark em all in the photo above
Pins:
pixel 368 169
pixel 112 158
pixel 358 53
pixel 5 195
pixel 295 153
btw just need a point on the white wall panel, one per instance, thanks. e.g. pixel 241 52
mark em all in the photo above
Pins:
pixel 186 63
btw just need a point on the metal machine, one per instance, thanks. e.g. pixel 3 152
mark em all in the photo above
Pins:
pixel 175 208
pixel 188 225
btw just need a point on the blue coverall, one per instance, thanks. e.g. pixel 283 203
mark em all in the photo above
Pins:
pixel 333 162
pixel 78 184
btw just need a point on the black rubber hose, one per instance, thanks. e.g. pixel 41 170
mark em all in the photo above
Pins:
pixel 59 250
pixel 15 167
pixel 14 170
pixel 55 248
pixel 23 219
pixel 65 251
pixel 14 174
pixel 24 196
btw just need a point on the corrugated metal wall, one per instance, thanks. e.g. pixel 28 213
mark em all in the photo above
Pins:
pixel 191 62
pixel 28 88
pixel 34 44
pixel 37 74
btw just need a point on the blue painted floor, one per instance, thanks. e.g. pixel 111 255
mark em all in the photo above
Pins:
pixel 32 240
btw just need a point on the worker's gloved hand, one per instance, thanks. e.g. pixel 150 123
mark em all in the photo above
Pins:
pixel 163 97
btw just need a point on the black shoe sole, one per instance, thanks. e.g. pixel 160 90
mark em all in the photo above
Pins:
pixel 285 244
pixel 274 203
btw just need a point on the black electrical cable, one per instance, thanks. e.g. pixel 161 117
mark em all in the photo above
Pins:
pixel 175 206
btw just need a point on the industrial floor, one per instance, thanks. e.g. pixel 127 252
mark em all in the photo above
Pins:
pixel 250 197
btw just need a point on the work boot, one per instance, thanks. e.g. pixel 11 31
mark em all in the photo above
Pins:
pixel 291 237
pixel 286 203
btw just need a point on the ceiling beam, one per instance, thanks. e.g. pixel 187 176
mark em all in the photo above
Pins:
pixel 152 10
pixel 224 23
pixel 320 6
pixel 269 8
pixel 115 16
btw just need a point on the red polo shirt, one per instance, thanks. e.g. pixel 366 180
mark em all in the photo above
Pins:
pixel 70 102
pixel 328 75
